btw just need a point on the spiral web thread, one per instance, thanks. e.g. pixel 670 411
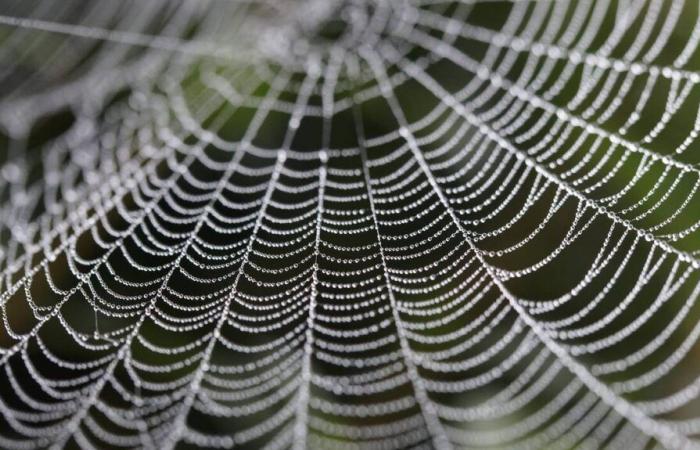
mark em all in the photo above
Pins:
pixel 317 224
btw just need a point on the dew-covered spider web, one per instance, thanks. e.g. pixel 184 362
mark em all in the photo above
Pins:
pixel 349 224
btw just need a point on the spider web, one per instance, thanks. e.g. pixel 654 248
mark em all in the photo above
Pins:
pixel 349 224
